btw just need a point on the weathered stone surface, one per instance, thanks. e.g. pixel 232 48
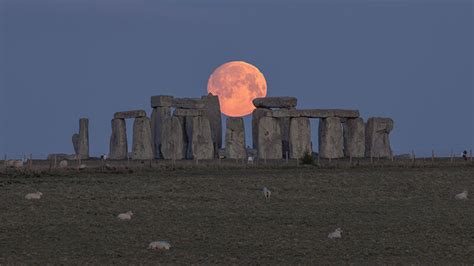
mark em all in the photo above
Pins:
pixel 377 142
pixel 188 112
pixel 256 115
pixel 159 127
pixel 354 137
pixel 330 138
pixel 130 114
pixel 269 138
pixel 142 146
pixel 275 102
pixel 161 101
pixel 314 113
pixel 118 148
pixel 188 103
pixel 172 141
pixel 75 142
pixel 212 110
pixel 285 135
pixel 199 137
pixel 300 137
pixel 83 143
pixel 235 138
pixel 184 136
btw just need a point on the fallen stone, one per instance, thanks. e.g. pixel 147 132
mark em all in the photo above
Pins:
pixel 354 137
pixel 172 141
pixel 198 131
pixel 188 103
pixel 212 110
pixel 130 114
pixel 300 137
pixel 83 142
pixel 314 113
pixel 161 101
pixel 330 138
pixel 256 115
pixel 118 148
pixel 75 143
pixel 377 142
pixel 159 127
pixel 61 156
pixel 188 112
pixel 269 138
pixel 142 146
pixel 275 102
pixel 235 138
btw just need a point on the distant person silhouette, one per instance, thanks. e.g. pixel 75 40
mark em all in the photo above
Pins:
pixel 464 155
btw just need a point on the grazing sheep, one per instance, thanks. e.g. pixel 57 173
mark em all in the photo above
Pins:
pixel 266 192
pixel 33 196
pixel 82 167
pixel 250 159
pixel 125 216
pixel 63 164
pixel 462 196
pixel 335 234
pixel 159 245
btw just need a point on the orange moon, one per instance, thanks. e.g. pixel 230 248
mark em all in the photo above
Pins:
pixel 236 84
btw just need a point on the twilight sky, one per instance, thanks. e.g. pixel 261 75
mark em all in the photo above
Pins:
pixel 61 60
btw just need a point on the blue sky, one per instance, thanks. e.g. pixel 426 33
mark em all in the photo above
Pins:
pixel 65 59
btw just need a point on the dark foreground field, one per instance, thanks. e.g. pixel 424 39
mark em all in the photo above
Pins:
pixel 389 215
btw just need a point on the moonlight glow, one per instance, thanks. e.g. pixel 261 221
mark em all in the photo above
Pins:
pixel 237 83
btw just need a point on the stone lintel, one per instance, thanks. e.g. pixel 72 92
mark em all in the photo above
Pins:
pixel 188 112
pixel 275 102
pixel 130 114
pixel 187 103
pixel 314 113
pixel 161 101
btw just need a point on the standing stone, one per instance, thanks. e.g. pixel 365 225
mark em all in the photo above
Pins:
pixel 354 137
pixel 256 115
pixel 377 142
pixel 83 143
pixel 199 137
pixel 75 142
pixel 212 110
pixel 183 134
pixel 172 141
pixel 142 146
pixel 300 137
pixel 285 135
pixel 118 148
pixel 235 138
pixel 158 122
pixel 269 138
pixel 330 138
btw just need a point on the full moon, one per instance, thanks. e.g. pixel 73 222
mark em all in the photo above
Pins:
pixel 236 84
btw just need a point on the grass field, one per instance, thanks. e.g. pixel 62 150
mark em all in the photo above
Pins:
pixel 388 215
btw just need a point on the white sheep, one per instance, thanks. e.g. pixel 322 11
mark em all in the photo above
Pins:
pixel 82 167
pixel 34 196
pixel 250 159
pixel 462 196
pixel 335 234
pixel 266 192
pixel 125 216
pixel 159 245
